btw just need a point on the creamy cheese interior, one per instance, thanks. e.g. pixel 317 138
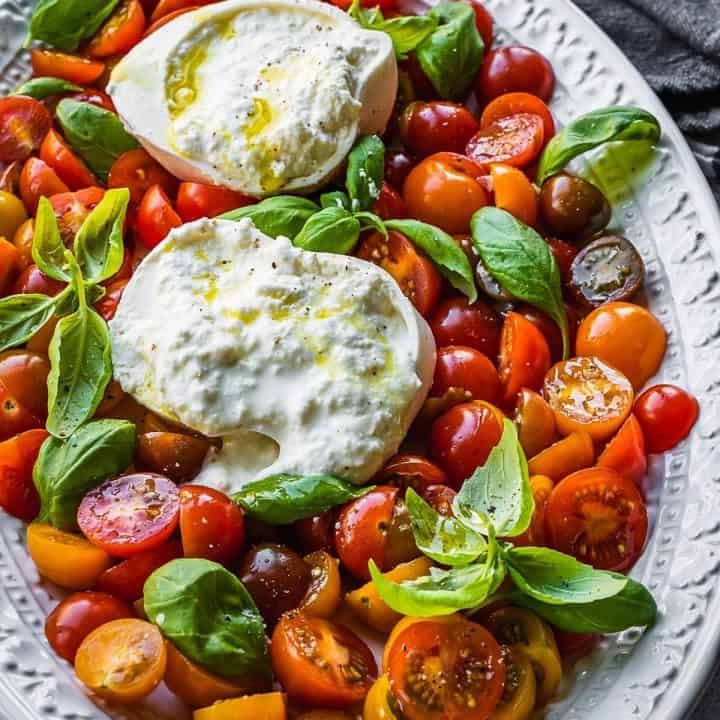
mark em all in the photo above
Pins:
pixel 302 362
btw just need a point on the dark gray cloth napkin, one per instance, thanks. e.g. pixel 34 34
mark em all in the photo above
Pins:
pixel 676 45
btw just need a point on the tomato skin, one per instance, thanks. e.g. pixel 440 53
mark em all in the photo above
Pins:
pixel 666 415
pixel 316 533
pixel 24 122
pixel 166 7
pixel 515 140
pixel 625 453
pixel 95 97
pixel 138 172
pixel 397 166
pixel 437 126
pixel 549 328
pixel 174 455
pixel 195 200
pixel 413 471
pixel 55 152
pixel 441 498
pixel 122 31
pixel 22 240
pixel 23 391
pixel 514 193
pixel 575 645
pixel 18 495
pixel 390 203
pixel 73 68
pixel 38 179
pixel 165 19
pixel 33 280
pixel 571 454
pixel 515 69
pixel 483 22
pixel 107 305
pixel 457 322
pixel 535 422
pixel 518 102
pixel 10 260
pixel 268 706
pixel 464 367
pixel 71 209
pixel 541 486
pixel 77 616
pixel 564 254
pixel 156 217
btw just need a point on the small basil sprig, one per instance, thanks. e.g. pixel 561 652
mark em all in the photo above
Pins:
pixel 332 229
pixel 65 23
pixel 611 124
pixel 283 499
pixel 521 262
pixel 284 215
pixel 43 87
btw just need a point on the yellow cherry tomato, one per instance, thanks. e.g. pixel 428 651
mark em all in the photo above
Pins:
pixel 378 701
pixel 265 706
pixel 323 595
pixel 518 699
pixel 12 214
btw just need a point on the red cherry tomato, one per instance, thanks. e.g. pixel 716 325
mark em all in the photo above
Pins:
pixel 37 180
pixel 55 152
pixel 33 280
pixel 516 140
pixel 397 166
pixel 212 526
pixel 574 645
pixel 666 415
pixel 461 439
pixel 73 68
pixel 564 254
pixel 23 391
pixel 441 498
pixel 18 496
pixel 138 172
pixel 549 327
pixel 483 22
pixel 195 201
pixel 130 514
pixel 95 97
pixel 404 471
pixel 24 122
pixel 77 616
pixel 108 303
pixel 457 322
pixel 599 517
pixel 390 203
pixel 437 126
pixel 464 367
pixel 625 453
pixel 515 69
pixel 121 32
pixel 71 209
pixel 156 217
pixel 518 102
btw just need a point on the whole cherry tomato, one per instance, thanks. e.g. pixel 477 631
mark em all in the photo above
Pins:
pixel 73 68
pixel 514 193
pixel 457 322
pixel 666 415
pixel 390 203
pixel 38 179
pixel 397 166
pixel 24 122
pixel 56 153
pixel 108 303
pixel 18 495
pixel 33 280
pixel 175 455
pixel 437 126
pixel 71 209
pixel 138 172
pixel 515 140
pixel 156 217
pixel 625 453
pixel 463 367
pixel 122 31
pixel 316 533
pixel 23 391
pixel 515 69
pixel 518 102
pixel 95 97
pixel 404 471
pixel 483 22
pixel 195 200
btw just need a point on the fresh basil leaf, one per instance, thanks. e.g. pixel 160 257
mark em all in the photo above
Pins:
pixel 442 250
pixel 283 499
pixel 443 539
pixel 366 169
pixel 43 87
pixel 335 198
pixel 21 316
pixel 522 262
pixel 451 55
pixel 207 613
pixel 371 221
pixel 96 134
pixel 332 230
pixel 557 579
pixel 99 247
pixel 66 469
pixel 65 23
pixel 499 491
pixel 48 249
pixel 611 124
pixel 281 215
pixel 633 606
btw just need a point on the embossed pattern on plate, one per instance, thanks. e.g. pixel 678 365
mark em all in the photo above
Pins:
pixel 673 220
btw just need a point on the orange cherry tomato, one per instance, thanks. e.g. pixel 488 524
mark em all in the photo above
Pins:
pixel 138 172
pixel 625 453
pixel 414 273
pixel 443 190
pixel 599 517
pixel 535 422
pixel 23 391
pixel 516 140
pixel 165 19
pixel 436 126
pixel 10 263
pixel 514 193
pixel 515 68
pixel 73 68
pixel 55 152
pixel 38 179
pixel 165 7
pixel 541 486
pixel 572 453
pixel 627 337
pixel 320 663
pixel 24 122
pixel 108 303
pixel 71 209
pixel 666 415
pixel 22 240
pixel 68 560
pixel 175 455
pixel 456 322
pixel 390 203
pixel 323 594
pixel 413 471
pixel 589 396
pixel 268 706
pixel 377 705
pixel 156 217
pixel 121 32
pixel 524 357
pixel 468 369
pixel 18 496
pixel 122 660
pixel 195 200
pixel 518 102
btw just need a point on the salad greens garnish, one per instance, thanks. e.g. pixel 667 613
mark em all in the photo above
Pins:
pixel 43 87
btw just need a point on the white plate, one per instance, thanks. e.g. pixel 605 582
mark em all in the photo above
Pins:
pixel 673 220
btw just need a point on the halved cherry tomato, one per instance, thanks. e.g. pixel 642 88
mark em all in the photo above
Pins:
pixel 320 663
pixel 518 698
pixel 518 102
pixel 73 68
pixel 9 264
pixel 390 203
pixel 122 31
pixel 130 514
pixel 444 190
pixel 323 594
pixel 535 422
pixel 68 560
pixel 625 453
pixel 462 438
pixel 379 702
pixel 136 170
pixel 108 303
pixel 515 68
pixel 467 369
pixel 414 273
pixel 516 140
pixel 524 357
pixel 195 200
pixel 436 126
pixel 77 616
pixel 23 240
pixel 572 453
pixel 599 517
pixel 589 396
pixel 212 526
pixel 95 97
pixel 666 415
pixel 175 455
pixel 38 179
pixel 156 217
pixel 71 209
pixel 10 177
pixel 413 471
pixel 541 486
pixel 446 671
pixel 55 152
pixel 268 706
pixel 23 391
pixel 33 280
pixel 12 214
pixel 441 498
pixel 165 19
pixel 126 579
pixel 457 322
pixel 18 495
pixel 24 122
pixel 514 193
pixel 122 660
pixel 165 7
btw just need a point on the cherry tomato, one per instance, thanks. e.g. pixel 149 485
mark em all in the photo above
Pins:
pixel 446 671
pixel 518 102
pixel 122 31
pixel 666 415
pixel 441 498
pixel 73 68
pixel 316 533
pixel 55 153
pixel 541 486
pixel 174 455
pixel 24 122
pixel 515 140
pixel 443 190
pixel 23 240
pixel 33 280
pixel 514 193
pixel 519 694
pixel 156 217
pixel 625 453
pixel 195 200
pixel 414 273
pixel 10 177
pixel 122 660
pixel 549 328
pixel 572 207
pixel 320 663
pixel 397 166
pixel 165 7
pixel 483 22
pixel 515 69
pixel 564 254
pixel 71 209
pixel 413 471
pixel 323 594
pixel 572 453
pixel 588 395
pixel 437 126
pixel 21 237
pixel 457 322
pixel 23 391
pixel 461 439
pixel 9 264
pixel 108 303
pixel 535 422
pixel 38 179
pixel 165 19
pixel 95 97
pixel 464 367
pixel 77 616
pixel 390 203
pixel 575 645
pixel 599 517
pixel 130 514
pixel 138 172
pixel 18 495
pixel 268 706
pixel 379 704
